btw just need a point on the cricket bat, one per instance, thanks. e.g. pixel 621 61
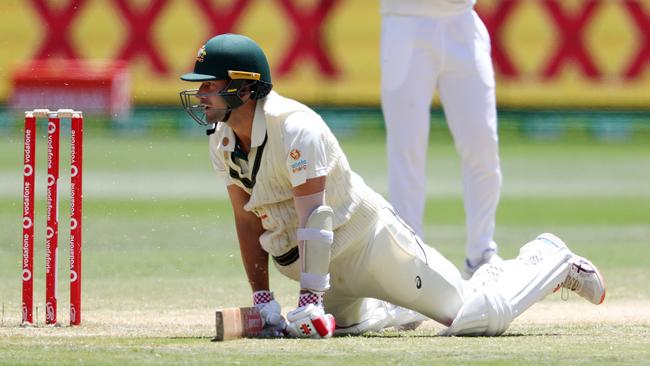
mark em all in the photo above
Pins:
pixel 233 323
pixel 245 322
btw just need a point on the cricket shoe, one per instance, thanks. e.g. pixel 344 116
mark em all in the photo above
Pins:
pixel 404 319
pixel 584 278
pixel 489 257
pixel 380 315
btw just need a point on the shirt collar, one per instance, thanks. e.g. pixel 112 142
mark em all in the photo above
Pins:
pixel 227 135
pixel 259 125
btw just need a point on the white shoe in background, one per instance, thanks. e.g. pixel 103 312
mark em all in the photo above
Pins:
pixel 489 257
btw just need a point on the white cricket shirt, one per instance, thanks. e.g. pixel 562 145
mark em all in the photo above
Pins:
pixel 290 144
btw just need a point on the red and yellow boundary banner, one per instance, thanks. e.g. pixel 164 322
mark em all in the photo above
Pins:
pixel 547 53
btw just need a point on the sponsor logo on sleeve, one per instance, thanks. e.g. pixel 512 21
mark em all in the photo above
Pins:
pixel 299 164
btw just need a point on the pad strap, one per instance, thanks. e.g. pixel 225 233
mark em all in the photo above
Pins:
pixel 324 236
pixel 314 281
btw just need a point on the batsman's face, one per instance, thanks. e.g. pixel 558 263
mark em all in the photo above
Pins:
pixel 214 105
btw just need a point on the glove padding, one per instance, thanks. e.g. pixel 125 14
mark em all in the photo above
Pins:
pixel 271 315
pixel 310 321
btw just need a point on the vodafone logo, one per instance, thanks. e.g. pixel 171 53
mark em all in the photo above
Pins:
pixel 50 180
pixel 49 310
pixel 73 314
pixel 51 127
pixel 28 170
pixel 73 224
pixel 73 171
pixel 27 275
pixel 27 222
pixel 49 232
pixel 73 276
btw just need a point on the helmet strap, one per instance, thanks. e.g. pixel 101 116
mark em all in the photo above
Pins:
pixel 211 129
pixel 233 92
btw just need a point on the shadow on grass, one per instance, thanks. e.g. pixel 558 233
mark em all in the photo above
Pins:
pixel 435 335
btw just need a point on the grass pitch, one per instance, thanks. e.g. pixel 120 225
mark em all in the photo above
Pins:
pixel 160 254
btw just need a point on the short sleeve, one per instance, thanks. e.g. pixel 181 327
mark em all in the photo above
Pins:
pixel 305 148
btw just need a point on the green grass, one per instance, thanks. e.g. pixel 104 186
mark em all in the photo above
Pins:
pixel 160 255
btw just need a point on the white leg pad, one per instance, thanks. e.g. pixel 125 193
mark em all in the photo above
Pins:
pixel 315 253
pixel 506 290
pixel 487 313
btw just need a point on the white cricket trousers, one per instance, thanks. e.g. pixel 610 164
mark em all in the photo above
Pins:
pixel 392 266
pixel 451 54
pixel 387 267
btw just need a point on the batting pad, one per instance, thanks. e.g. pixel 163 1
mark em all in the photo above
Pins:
pixel 540 268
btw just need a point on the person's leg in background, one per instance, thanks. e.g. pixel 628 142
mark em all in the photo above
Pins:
pixel 467 92
pixel 408 82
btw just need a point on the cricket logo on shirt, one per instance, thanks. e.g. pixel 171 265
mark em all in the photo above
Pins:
pixel 299 164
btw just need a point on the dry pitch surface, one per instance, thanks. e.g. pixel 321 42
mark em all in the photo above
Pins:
pixel 198 323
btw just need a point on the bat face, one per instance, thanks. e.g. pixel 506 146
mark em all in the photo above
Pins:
pixel 245 322
pixel 233 323
pixel 252 323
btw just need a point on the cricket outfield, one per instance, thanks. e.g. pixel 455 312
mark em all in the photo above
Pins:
pixel 160 255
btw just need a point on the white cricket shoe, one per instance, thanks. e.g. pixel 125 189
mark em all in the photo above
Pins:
pixel 404 319
pixel 584 278
pixel 489 257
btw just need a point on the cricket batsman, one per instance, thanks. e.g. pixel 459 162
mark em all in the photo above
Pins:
pixel 297 203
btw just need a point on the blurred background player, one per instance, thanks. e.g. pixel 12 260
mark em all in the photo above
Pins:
pixel 429 45
pixel 360 268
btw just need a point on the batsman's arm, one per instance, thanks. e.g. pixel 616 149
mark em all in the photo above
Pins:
pixel 249 229
pixel 311 186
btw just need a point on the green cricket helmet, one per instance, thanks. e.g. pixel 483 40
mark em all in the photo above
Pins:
pixel 231 57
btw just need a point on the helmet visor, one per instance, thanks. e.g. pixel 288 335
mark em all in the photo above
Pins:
pixel 235 94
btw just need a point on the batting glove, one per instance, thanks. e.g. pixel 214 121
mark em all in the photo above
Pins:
pixel 310 321
pixel 270 310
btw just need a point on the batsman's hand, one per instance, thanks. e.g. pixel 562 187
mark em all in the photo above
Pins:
pixel 271 314
pixel 310 321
